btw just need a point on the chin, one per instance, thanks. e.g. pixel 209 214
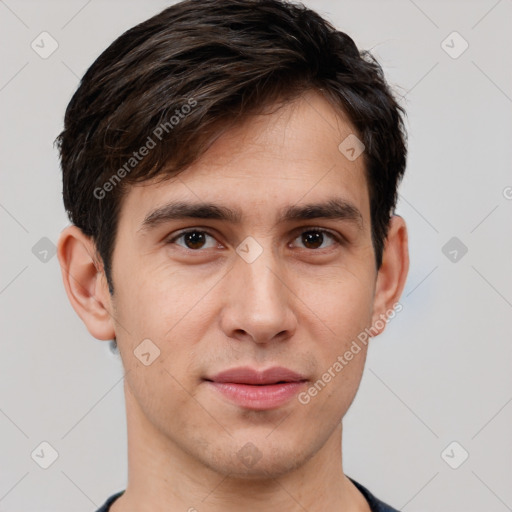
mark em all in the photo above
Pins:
pixel 251 463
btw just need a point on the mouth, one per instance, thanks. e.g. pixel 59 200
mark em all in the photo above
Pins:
pixel 257 390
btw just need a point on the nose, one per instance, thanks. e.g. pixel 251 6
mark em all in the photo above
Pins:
pixel 259 301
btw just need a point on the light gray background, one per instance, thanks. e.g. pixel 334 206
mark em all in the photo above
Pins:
pixel 440 373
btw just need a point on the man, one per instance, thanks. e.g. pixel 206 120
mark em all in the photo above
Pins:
pixel 230 168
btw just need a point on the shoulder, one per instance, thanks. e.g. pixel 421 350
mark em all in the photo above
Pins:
pixel 106 506
pixel 376 505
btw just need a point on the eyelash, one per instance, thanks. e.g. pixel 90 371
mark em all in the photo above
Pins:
pixel 338 239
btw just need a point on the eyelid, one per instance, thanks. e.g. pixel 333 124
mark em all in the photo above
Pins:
pixel 337 238
pixel 333 234
pixel 178 234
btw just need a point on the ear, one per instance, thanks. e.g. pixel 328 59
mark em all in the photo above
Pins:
pixel 392 274
pixel 85 282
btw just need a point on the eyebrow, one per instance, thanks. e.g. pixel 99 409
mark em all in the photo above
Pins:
pixel 337 209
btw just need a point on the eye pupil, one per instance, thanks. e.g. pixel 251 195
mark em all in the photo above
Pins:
pixel 312 237
pixel 194 239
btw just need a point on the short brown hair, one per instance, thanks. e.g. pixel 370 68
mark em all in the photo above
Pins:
pixel 209 64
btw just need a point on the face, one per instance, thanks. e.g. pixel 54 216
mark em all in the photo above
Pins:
pixel 261 288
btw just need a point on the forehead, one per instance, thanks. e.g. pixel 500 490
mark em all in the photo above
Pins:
pixel 271 161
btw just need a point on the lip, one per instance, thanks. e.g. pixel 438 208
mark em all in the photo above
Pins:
pixel 248 375
pixel 258 390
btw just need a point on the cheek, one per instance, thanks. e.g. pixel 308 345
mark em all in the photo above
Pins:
pixel 155 304
pixel 339 342
pixel 343 302
pixel 163 396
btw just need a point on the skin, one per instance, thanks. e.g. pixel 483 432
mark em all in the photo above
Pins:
pixel 298 305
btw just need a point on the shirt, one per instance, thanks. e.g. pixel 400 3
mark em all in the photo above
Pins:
pixel 375 504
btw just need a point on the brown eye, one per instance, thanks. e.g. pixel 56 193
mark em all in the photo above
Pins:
pixel 314 238
pixel 193 239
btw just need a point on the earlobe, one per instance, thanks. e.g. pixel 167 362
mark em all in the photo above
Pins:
pixel 85 282
pixel 392 273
